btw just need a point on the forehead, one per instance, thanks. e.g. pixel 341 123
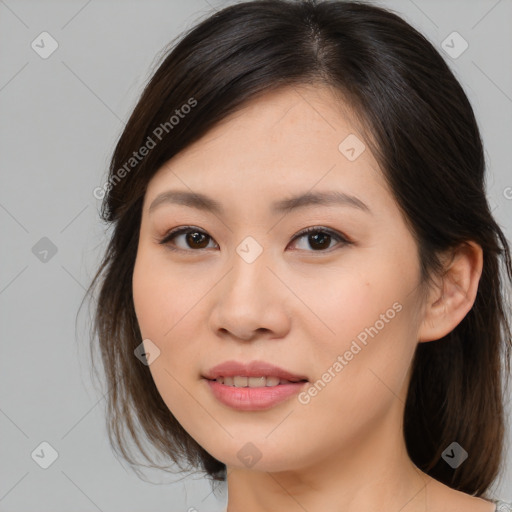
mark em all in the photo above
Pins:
pixel 284 141
pixel 282 120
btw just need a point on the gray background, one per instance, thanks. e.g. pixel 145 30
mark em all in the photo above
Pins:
pixel 61 117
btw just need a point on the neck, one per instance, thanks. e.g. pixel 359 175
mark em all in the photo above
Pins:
pixel 373 472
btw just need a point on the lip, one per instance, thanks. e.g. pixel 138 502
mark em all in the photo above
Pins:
pixel 252 399
pixel 251 369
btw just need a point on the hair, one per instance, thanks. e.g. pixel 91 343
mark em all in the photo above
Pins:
pixel 420 127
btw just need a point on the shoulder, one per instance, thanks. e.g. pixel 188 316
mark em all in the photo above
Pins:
pixel 443 498
pixel 502 506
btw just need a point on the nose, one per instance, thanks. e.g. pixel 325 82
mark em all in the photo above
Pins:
pixel 251 302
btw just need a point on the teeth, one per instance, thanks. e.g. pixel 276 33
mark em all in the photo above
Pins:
pixel 251 382
pixel 240 382
pixel 256 382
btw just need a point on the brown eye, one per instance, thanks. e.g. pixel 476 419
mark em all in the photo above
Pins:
pixel 193 238
pixel 319 239
pixel 196 239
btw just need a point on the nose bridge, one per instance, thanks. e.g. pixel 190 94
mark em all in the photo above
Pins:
pixel 249 298
pixel 249 276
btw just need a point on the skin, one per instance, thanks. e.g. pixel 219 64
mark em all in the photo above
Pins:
pixel 296 307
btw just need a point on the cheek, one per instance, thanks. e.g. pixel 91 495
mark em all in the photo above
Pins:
pixel 166 307
pixel 344 306
pixel 371 318
pixel 147 301
pixel 159 300
pixel 158 315
pixel 358 383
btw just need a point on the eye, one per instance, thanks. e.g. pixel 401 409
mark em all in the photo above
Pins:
pixel 318 238
pixel 194 238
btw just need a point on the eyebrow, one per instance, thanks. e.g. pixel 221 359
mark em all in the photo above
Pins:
pixel 205 203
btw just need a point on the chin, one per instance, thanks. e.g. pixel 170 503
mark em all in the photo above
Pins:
pixel 259 454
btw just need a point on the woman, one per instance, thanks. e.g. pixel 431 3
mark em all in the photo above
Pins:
pixel 302 293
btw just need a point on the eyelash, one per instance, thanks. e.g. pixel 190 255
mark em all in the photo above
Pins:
pixel 191 229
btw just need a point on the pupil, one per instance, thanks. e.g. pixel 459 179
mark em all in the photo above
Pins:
pixel 322 237
pixel 192 238
pixel 317 240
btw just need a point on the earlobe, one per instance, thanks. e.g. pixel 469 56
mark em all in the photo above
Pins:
pixel 455 293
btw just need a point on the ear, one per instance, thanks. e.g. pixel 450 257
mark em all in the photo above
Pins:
pixel 454 293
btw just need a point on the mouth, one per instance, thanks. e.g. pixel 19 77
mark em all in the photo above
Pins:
pixel 253 386
pixel 243 381
pixel 251 374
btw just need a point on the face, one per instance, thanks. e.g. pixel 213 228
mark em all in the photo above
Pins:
pixel 338 306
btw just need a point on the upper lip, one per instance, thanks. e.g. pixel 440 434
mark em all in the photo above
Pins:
pixel 251 369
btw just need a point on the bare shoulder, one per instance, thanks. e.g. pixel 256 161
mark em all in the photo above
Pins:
pixel 445 499
pixel 503 506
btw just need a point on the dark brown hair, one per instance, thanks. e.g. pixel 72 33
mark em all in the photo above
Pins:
pixel 421 128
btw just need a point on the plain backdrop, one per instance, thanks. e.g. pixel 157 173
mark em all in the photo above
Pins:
pixel 60 118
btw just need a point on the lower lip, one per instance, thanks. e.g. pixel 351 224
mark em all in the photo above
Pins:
pixel 253 399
